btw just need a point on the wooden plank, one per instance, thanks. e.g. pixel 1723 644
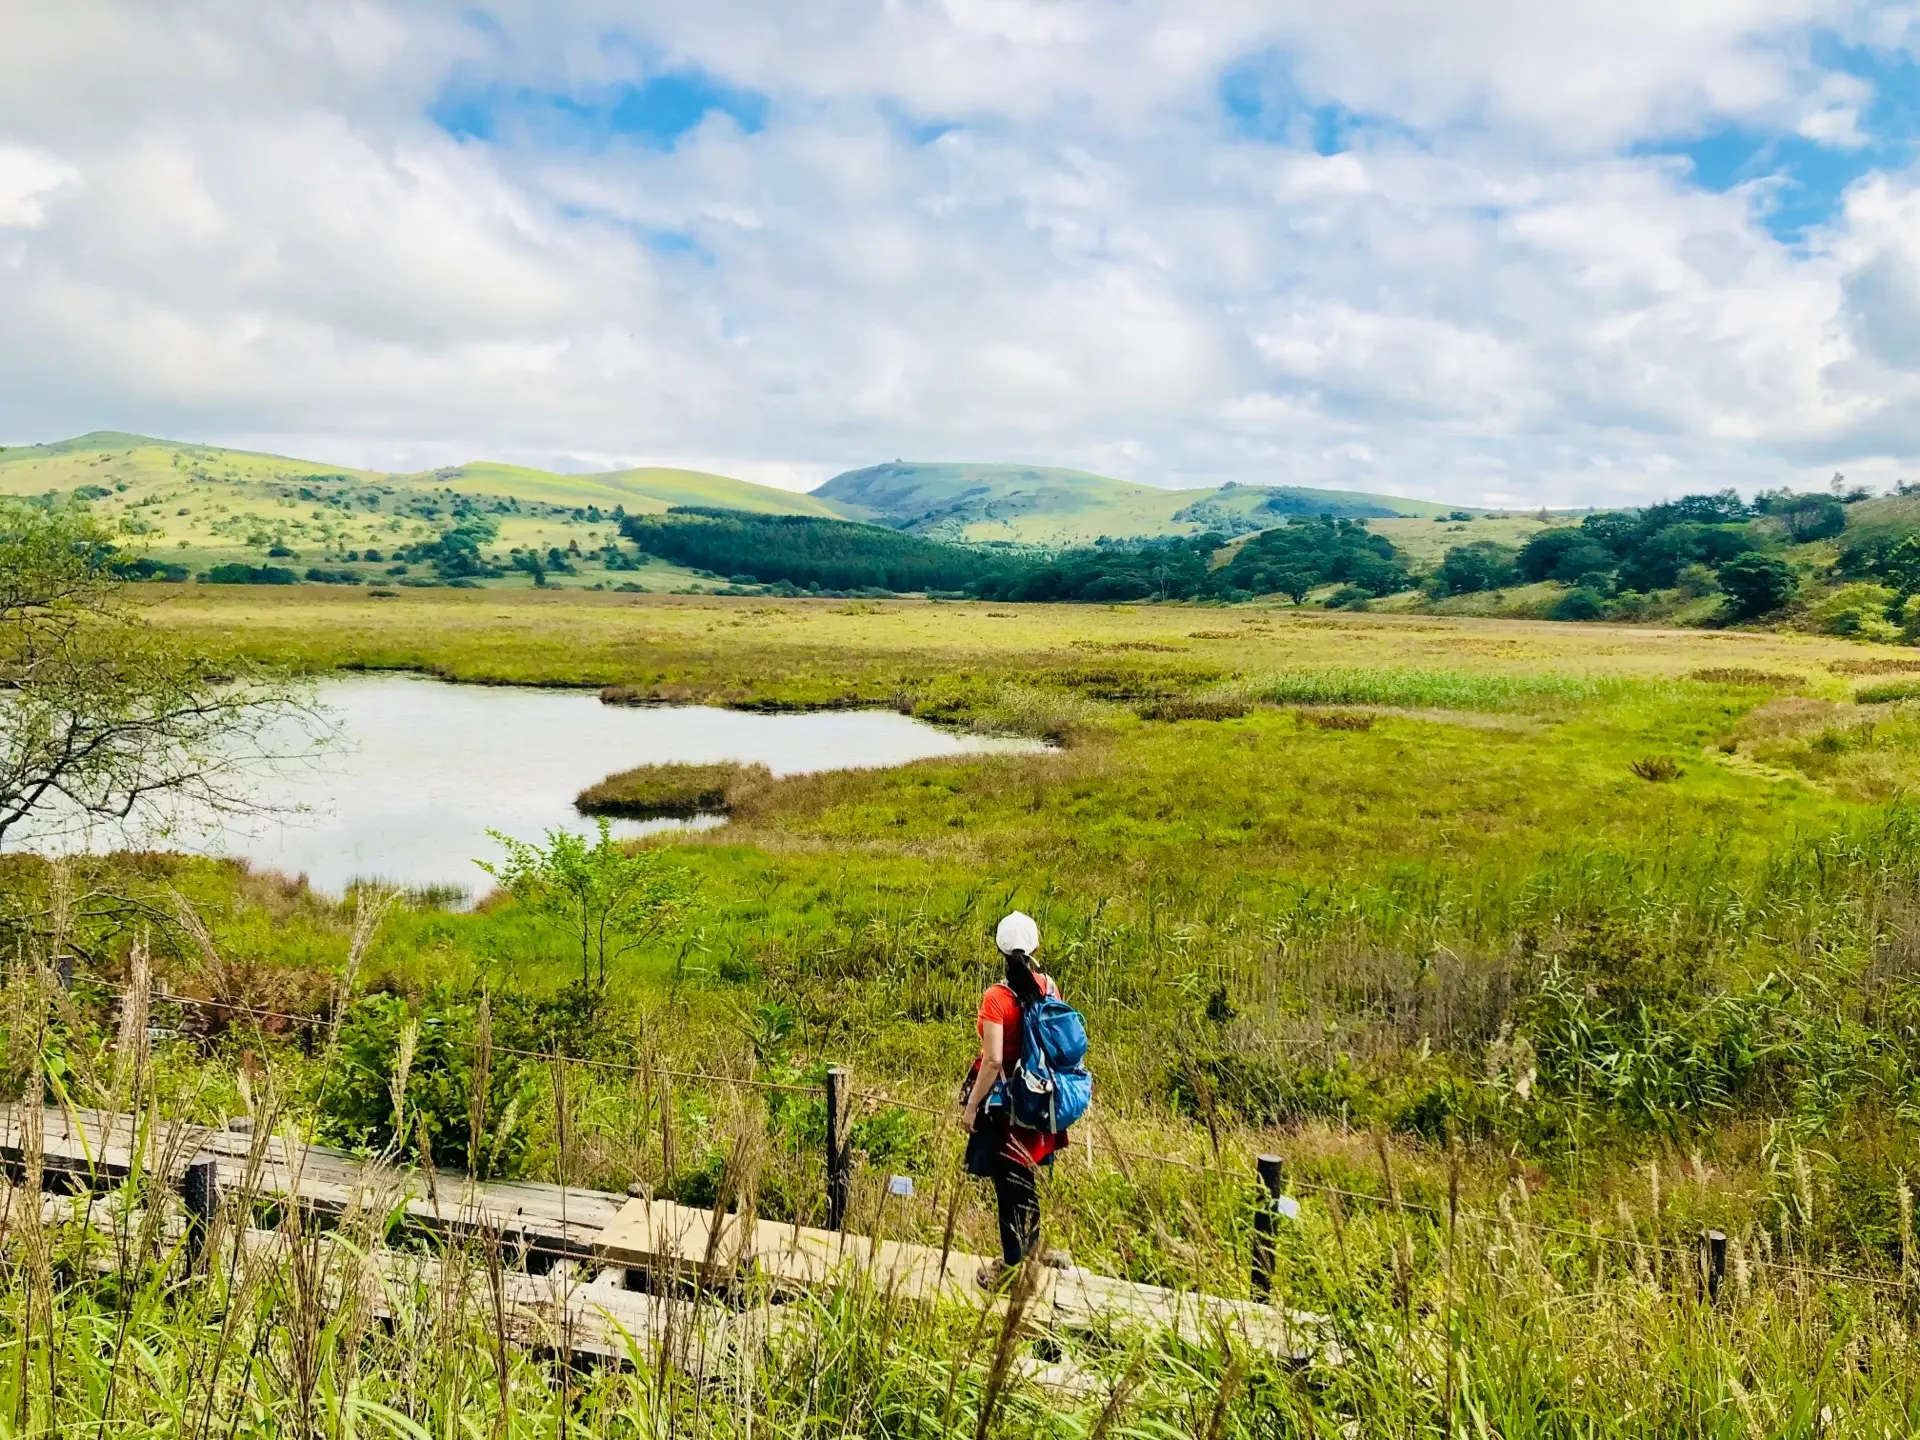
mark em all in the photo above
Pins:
pixel 799 1257
pixel 96 1146
pixel 592 1317
pixel 663 1238
pixel 657 1236
pixel 660 1236
pixel 1085 1301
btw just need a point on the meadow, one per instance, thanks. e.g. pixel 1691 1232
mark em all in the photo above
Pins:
pixel 1535 949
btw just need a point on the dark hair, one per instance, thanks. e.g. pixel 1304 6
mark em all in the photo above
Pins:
pixel 1020 979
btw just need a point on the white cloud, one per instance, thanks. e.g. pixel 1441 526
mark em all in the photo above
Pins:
pixel 242 224
pixel 28 180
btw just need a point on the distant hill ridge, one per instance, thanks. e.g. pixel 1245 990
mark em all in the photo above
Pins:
pixel 1022 504
pixel 68 464
pixel 1049 505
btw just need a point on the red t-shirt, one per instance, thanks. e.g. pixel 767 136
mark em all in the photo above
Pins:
pixel 999 1006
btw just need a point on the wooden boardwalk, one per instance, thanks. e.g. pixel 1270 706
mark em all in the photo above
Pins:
pixel 619 1245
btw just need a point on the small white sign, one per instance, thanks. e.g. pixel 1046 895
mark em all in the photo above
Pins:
pixel 902 1185
pixel 1288 1206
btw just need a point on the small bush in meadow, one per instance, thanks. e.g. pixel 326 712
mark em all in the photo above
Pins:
pixel 1744 677
pixel 405 1079
pixel 1338 719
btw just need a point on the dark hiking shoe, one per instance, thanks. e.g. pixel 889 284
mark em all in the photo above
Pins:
pixel 995 1274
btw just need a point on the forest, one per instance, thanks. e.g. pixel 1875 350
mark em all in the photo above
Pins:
pixel 806 551
pixel 1292 559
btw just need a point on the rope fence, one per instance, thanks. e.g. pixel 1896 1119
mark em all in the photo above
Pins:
pixel 1267 1173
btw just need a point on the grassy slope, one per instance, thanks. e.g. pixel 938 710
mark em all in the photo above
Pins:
pixel 1428 542
pixel 647 490
pixel 238 504
pixel 1049 505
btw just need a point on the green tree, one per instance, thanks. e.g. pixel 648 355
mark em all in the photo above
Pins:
pixel 1810 517
pixel 1757 585
pixel 598 894
pixel 1900 566
pixel 1481 565
pixel 102 718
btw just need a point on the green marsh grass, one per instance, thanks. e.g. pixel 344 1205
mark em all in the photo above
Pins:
pixel 669 789
pixel 1431 689
pixel 1464 941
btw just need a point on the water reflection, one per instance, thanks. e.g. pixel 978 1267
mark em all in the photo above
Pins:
pixel 418 771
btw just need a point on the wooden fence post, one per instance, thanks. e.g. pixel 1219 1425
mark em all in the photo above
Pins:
pixel 200 1194
pixel 836 1147
pixel 1713 1262
pixel 1273 1180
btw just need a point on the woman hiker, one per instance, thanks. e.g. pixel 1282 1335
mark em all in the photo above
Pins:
pixel 997 1150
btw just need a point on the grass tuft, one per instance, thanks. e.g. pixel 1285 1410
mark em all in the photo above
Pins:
pixel 1885 694
pixel 1216 705
pixel 1338 719
pixel 655 791
pixel 1659 769
pixel 1434 689
pixel 1877 666
pixel 1746 678
pixel 1042 713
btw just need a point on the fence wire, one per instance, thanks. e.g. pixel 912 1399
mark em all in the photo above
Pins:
pixel 881 1098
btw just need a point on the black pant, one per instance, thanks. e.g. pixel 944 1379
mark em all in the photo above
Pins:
pixel 1016 1189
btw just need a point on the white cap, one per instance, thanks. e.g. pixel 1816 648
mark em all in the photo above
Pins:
pixel 1017 932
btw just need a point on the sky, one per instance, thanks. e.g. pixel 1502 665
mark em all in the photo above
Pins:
pixel 1492 251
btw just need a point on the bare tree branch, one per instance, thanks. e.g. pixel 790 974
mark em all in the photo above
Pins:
pixel 101 718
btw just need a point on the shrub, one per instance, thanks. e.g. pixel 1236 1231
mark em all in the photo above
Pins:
pixel 1858 611
pixel 402 1078
pixel 234 573
pixel 595 893
pixel 1581 604
pixel 1657 768
pixel 146 568
pixel 1757 585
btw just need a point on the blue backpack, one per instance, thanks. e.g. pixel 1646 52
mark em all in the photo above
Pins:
pixel 1049 1088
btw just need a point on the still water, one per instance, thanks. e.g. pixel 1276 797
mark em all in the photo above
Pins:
pixel 416 772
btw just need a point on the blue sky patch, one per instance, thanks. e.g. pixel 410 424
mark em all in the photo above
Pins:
pixel 655 112
pixel 1810 177
pixel 1261 100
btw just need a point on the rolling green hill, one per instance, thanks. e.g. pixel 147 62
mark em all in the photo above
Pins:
pixel 199 506
pixel 142 461
pixel 1047 505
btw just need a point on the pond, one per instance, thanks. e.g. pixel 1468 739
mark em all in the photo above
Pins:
pixel 417 771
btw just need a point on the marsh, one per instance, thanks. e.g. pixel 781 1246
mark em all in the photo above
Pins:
pixel 414 772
